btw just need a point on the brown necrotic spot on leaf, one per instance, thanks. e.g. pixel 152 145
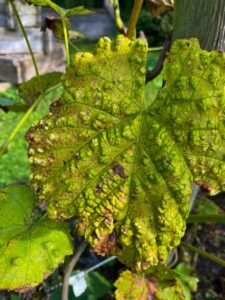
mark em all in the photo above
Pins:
pixel 204 186
pixel 106 245
pixel 118 170
pixel 55 104
pixel 98 189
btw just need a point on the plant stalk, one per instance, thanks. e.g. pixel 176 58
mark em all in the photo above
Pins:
pixel 134 18
pixel 203 253
pixel 66 39
pixel 69 269
pixel 155 49
pixel 214 218
pixel 113 8
pixel 25 36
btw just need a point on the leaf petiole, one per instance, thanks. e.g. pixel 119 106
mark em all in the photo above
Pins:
pixel 66 39
pixel 214 218
pixel 203 253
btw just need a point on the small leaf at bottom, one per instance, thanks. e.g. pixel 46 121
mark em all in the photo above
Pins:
pixel 30 249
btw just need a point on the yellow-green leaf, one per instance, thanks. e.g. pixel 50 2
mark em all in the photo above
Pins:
pixel 80 10
pixel 159 284
pixel 31 248
pixel 126 168
pixel 132 286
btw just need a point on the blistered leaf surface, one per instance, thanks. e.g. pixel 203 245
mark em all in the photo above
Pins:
pixel 124 168
pixel 160 284
pixel 131 286
pixel 30 248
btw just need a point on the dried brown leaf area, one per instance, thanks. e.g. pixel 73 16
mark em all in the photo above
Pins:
pixel 160 6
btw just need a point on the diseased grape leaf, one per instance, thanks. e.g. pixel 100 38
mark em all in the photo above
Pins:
pixel 125 168
pixel 159 284
pixel 132 286
pixel 30 248
pixel 79 10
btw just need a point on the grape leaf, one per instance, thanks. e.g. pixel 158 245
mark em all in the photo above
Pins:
pixel 80 10
pixel 7 104
pixel 160 284
pixel 33 88
pixel 56 26
pixel 132 286
pixel 31 248
pixel 123 167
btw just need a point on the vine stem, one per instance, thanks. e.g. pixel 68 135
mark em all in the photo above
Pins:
pixel 150 75
pixel 134 18
pixel 203 253
pixel 74 47
pixel 155 49
pixel 69 269
pixel 113 8
pixel 14 132
pixel 215 218
pixel 25 36
pixel 66 39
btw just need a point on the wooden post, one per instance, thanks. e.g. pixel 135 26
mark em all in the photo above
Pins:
pixel 15 61
pixel 203 19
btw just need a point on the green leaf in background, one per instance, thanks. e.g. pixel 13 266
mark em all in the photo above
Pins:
pixel 6 102
pixel 188 278
pixel 60 10
pixel 124 167
pixel 30 90
pixel 31 248
pixel 11 101
pixel 14 164
pixel 10 105
pixel 159 284
pixel 206 207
